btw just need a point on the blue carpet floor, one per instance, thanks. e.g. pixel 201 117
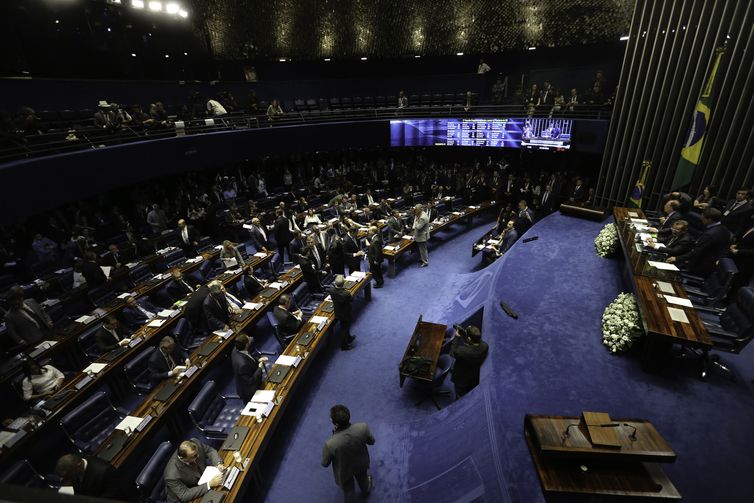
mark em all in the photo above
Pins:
pixel 549 361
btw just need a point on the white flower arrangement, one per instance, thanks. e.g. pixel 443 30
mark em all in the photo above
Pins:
pixel 606 242
pixel 620 323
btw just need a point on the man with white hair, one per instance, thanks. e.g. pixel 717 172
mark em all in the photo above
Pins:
pixel 421 234
pixel 342 299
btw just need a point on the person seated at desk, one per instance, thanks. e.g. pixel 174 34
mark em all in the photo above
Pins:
pixel 219 306
pixel 178 287
pixel 507 238
pixel 679 242
pixel 289 322
pixel 247 366
pixel 230 256
pixel 184 469
pixel 708 248
pixel 40 381
pixel 311 219
pixel 108 337
pixel 469 351
pixel 252 284
pixel 87 476
pixel 138 312
pixel 166 361
pixel 666 223
pixel 27 323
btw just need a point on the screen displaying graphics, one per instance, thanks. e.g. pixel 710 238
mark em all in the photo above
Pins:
pixel 537 133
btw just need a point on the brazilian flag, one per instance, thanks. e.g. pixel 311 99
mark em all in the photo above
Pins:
pixel 692 147
pixel 635 200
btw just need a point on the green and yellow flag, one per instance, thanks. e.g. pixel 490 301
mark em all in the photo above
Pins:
pixel 692 147
pixel 634 201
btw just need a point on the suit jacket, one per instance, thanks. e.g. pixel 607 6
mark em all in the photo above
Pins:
pixel 347 451
pixel 395 229
pixel 469 359
pixel 421 228
pixel 318 264
pixel 247 373
pixel 25 331
pixel 93 274
pixel 193 237
pixel 737 220
pixel 675 246
pixel 282 232
pixel 216 312
pixel 341 299
pixel 708 248
pixel 98 480
pixel 335 256
pixel 179 289
pixel 252 285
pixel 111 260
pixel 664 229
pixel 297 246
pixel 194 307
pixel 133 317
pixel 579 193
pixel 547 203
pixel 744 259
pixel 258 239
pixel 509 238
pixel 181 479
pixel 287 323
pixel 351 246
pixel 157 366
pixel 374 252
pixel 105 340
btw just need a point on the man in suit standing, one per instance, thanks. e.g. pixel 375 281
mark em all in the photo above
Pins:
pixel 547 201
pixel 86 476
pixel 525 215
pixel 289 322
pixel 335 254
pixel 27 323
pixel 108 337
pixel 92 271
pixel 342 299
pixel 316 254
pixel 247 368
pixel 470 351
pixel 166 361
pixel 282 233
pixel 374 256
pixel 395 227
pixel 708 248
pixel 113 258
pixel 347 451
pixel 352 251
pixel 188 237
pixel 138 312
pixel 218 307
pixel 259 235
pixel 186 466
pixel 308 269
pixel 157 219
pixel 421 234
pixel 178 287
pixel 579 193
pixel 737 213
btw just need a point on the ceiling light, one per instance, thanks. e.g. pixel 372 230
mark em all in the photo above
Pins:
pixel 57 21
pixel 172 8
pixel 459 54
pixel 109 29
pixel 133 54
pixel 167 55
pixel 532 48
pixel 624 38
pixel 327 59
pixel 183 14
pixel 417 56
pixel 137 4
pixel 155 6
pixel 282 60
pixel 185 54
pixel 364 59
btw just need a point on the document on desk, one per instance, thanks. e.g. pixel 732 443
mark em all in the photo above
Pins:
pixel 276 285
pixel 358 274
pixel 253 306
pixel 390 248
pixel 258 409
pixel 664 266
pixel 639 221
pixel 156 323
pixel 169 313
pixel 129 423
pixel 260 254
pixel 209 473
pixel 95 368
pixel 263 396
pixel 223 333
pixel 678 314
pixel 633 214
pixel 665 287
pixel 318 319
pixel 679 301
pixel 408 237
pixel 126 295
pixel 288 361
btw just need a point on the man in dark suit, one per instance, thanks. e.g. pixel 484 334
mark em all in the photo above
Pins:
pixel 27 323
pixel 507 238
pixel 259 235
pixel 316 253
pixel 737 213
pixel 470 351
pixel 678 243
pixel 311 275
pixel 252 284
pixel 184 469
pixel 374 256
pixel 347 451
pixel 188 237
pixel 87 476
pixel 335 253
pixel 289 322
pixel 525 215
pixel 194 307
pixel 742 252
pixel 395 227
pixel 547 201
pixel 352 251
pixel 137 312
pixel 114 258
pixel 297 246
pixel 342 299
pixel 708 248
pixel 578 194
pixel 92 271
pixel 283 235
pixel 218 307
pixel 109 336
pixel 510 187
pixel 178 287
pixel 168 361
pixel 247 367
pixel 685 201
pixel 670 208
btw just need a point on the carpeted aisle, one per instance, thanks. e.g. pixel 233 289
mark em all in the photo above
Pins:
pixel 549 361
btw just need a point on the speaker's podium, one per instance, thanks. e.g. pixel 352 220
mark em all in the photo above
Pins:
pixel 594 454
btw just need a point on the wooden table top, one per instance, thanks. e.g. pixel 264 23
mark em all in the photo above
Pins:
pixel 431 336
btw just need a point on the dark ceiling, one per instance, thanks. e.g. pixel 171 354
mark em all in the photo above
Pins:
pixel 315 29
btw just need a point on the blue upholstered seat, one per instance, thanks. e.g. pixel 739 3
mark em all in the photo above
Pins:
pixel 150 482
pixel 185 335
pixel 213 414
pixel 137 371
pixel 21 473
pixel 89 424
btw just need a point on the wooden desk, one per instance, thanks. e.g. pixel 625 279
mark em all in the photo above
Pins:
pixel 426 343
pixel 656 321
pixel 393 251
pixel 574 465
pixel 260 434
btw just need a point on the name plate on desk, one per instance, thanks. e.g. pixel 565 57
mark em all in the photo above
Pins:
pixel 208 348
pixel 268 292
pixel 277 373
pixel 235 438
pixel 305 339
pixel 83 382
pixel 213 497
pixel 112 355
pixel 114 446
pixel 166 392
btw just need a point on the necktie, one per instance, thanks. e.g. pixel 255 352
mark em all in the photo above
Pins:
pixel 29 313
pixel 169 360
pixel 316 256
pixel 186 285
pixel 115 335
pixel 144 311
pixel 232 299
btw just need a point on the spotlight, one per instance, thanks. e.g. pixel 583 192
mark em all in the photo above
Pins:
pixel 185 54
pixel 282 60
pixel 172 8
pixel 167 56
pixel 532 48
pixel 183 14
pixel 137 4
pixel 417 56
pixel 459 54
pixel 133 54
pixel 363 59
pixel 109 29
pixel 623 38
pixel 57 21
pixel 327 59
pixel 155 6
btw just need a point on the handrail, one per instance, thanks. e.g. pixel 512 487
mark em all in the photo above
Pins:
pixel 87 137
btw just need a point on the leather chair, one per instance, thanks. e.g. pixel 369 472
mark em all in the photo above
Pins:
pixel 205 245
pixel 213 414
pixel 101 295
pixel 89 424
pixel 21 473
pixel 283 339
pixel 731 330
pixel 150 483
pixel 139 273
pixel 87 342
pixel 305 300
pixel 714 289
pixel 161 298
pixel 432 390
pixel 174 258
pixel 185 335
pixel 137 371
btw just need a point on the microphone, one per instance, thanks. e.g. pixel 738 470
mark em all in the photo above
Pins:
pixel 632 436
pixel 533 238
pixel 510 312
pixel 567 432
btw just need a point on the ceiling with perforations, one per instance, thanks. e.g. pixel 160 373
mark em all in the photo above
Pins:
pixel 317 29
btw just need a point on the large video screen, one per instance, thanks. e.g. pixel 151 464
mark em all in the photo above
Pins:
pixel 536 133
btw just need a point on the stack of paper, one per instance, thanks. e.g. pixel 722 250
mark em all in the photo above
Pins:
pixel 664 266
pixel 258 409
pixel 276 285
pixel 263 396
pixel 407 237
pixel 288 361
pixel 85 319
pixel 358 274
pixel 169 313
pixel 223 333
pixel 253 306
pixel 156 323
pixel 95 368
pixel 665 287
pixel 390 248
pixel 679 301
pixel 260 254
pixel 318 319
pixel 129 423
pixel 677 315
